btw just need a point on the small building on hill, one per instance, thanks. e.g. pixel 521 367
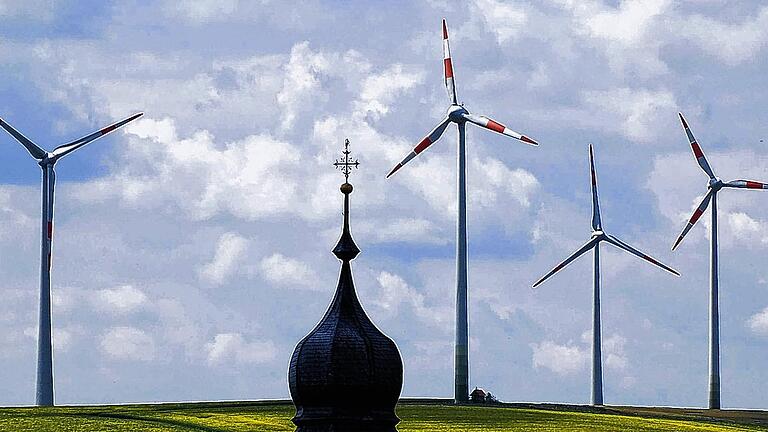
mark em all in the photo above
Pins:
pixel 477 395
pixel 480 395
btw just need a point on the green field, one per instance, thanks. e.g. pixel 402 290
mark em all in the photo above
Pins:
pixel 416 416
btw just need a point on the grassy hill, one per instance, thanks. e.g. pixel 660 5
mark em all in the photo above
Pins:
pixel 416 416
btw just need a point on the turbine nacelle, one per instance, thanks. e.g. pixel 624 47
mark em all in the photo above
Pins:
pixel 457 113
pixel 715 184
pixel 48 159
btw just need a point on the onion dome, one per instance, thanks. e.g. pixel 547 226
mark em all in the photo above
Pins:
pixel 345 375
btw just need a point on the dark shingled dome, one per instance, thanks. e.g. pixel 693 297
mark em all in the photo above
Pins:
pixel 345 375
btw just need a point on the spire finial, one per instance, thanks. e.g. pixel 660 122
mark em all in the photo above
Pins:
pixel 346 163
pixel 346 249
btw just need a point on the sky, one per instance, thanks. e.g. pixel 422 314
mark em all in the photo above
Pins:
pixel 192 247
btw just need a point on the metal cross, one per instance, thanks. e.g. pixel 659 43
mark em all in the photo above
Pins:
pixel 346 163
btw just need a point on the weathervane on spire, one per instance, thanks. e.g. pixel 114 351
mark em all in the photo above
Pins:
pixel 346 164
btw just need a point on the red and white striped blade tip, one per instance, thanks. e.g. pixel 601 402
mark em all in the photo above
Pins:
pixel 748 184
pixel 682 120
pixel 394 170
pixel 445 29
pixel 677 242
pixel 528 140
pixel 121 123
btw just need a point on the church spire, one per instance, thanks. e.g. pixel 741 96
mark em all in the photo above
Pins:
pixel 345 375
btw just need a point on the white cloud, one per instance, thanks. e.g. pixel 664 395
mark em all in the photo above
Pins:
pixel 561 359
pixel 758 323
pixel 628 382
pixel 200 11
pixel 229 252
pixel 635 31
pixel 161 131
pixel 733 43
pixel 498 179
pixel 379 91
pixel 506 20
pixel 407 230
pixel 627 33
pixel 569 359
pixel 540 77
pixel 283 270
pixel 182 325
pixel 614 352
pixel 627 24
pixel 307 76
pixel 64 299
pixel 395 292
pixel 234 178
pixel 128 343
pixel 11 214
pixel 746 228
pixel 39 10
pixel 302 86
pixel 120 299
pixel 62 339
pixel 635 113
pixel 428 178
pixel 233 347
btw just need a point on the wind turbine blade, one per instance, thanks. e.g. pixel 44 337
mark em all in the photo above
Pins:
pixel 621 245
pixel 746 184
pixel 700 158
pixel 495 126
pixel 430 139
pixel 696 215
pixel 65 149
pixel 31 147
pixel 450 84
pixel 596 223
pixel 589 245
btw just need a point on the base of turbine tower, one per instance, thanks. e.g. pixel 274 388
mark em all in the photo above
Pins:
pixel 714 401
pixel 714 394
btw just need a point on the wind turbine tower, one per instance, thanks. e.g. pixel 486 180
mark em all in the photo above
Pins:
pixel 47 160
pixel 458 114
pixel 714 186
pixel 599 235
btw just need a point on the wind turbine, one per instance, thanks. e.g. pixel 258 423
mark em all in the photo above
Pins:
pixel 598 235
pixel 459 115
pixel 47 160
pixel 713 187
